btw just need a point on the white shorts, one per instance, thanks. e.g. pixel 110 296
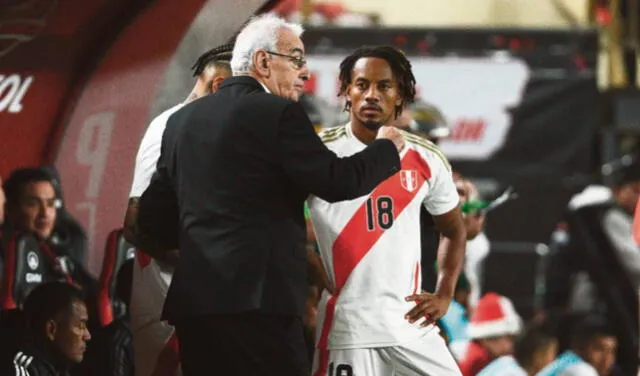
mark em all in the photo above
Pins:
pixel 427 355
pixel 154 342
pixel 155 352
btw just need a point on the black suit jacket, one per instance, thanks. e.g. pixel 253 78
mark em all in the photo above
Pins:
pixel 242 162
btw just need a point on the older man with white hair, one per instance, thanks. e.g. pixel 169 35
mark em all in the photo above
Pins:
pixel 241 162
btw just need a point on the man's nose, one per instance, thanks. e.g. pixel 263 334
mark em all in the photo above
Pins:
pixel 304 73
pixel 372 94
pixel 42 209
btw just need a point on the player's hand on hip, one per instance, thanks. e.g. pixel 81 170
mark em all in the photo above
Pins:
pixel 393 134
pixel 430 306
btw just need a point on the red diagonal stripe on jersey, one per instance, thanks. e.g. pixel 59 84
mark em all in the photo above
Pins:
pixel 323 354
pixel 355 240
pixel 168 361
pixel 143 259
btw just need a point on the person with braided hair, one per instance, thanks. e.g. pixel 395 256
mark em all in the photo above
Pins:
pixel 155 344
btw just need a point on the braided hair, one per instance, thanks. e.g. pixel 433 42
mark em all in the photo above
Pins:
pixel 400 66
pixel 219 56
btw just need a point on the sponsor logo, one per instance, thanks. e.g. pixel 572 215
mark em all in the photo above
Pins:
pixel 32 260
pixel 33 278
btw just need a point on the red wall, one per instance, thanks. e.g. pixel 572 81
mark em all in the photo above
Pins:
pixel 40 66
pixel 93 71
pixel 100 141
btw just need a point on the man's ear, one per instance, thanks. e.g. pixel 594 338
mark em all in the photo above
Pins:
pixel 261 63
pixel 215 84
pixel 51 328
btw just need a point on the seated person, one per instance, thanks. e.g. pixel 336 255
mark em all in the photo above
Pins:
pixel 31 202
pixel 31 208
pixel 492 330
pixel 592 351
pixel 110 352
pixel 56 332
pixel 533 351
pixel 68 235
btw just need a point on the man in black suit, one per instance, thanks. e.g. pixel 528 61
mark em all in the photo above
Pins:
pixel 241 163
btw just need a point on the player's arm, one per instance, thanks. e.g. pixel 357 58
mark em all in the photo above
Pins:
pixel 144 242
pixel 443 203
pixel 450 258
pixel 451 253
pixel 317 273
pixel 128 227
pixel 152 208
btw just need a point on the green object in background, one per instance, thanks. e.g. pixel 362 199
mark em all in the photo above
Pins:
pixel 473 206
pixel 307 213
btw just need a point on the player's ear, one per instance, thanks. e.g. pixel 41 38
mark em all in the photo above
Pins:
pixel 215 84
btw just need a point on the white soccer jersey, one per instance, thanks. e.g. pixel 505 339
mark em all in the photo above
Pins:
pixel 150 279
pixel 149 152
pixel 370 246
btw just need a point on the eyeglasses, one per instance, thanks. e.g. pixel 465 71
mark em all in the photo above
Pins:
pixel 298 61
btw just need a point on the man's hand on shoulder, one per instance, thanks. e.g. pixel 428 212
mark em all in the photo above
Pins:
pixel 393 134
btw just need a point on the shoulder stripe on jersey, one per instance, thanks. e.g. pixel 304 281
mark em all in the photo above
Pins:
pixel 333 134
pixel 332 130
pixel 21 361
pixel 331 139
pixel 417 140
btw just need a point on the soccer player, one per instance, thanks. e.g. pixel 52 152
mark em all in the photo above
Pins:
pixel 154 342
pixel 379 322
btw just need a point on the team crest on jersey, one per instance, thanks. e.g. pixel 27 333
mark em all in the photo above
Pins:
pixel 409 180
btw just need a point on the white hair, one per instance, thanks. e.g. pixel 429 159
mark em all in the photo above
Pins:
pixel 261 33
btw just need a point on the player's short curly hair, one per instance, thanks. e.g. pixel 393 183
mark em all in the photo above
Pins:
pixel 220 55
pixel 400 66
